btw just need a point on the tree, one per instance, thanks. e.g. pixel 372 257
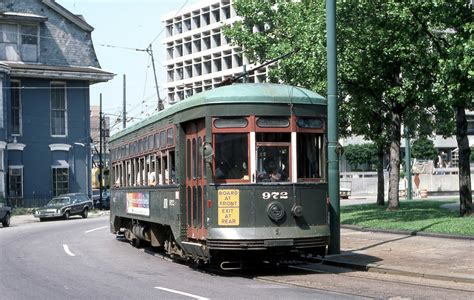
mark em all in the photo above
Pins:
pixel 387 65
pixel 361 154
pixel 388 61
pixel 449 26
pixel 423 148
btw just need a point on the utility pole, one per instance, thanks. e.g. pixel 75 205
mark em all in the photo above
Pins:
pixel 124 113
pixel 149 50
pixel 101 129
pixel 333 155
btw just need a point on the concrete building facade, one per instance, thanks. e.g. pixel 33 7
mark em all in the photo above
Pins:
pixel 198 55
pixel 47 63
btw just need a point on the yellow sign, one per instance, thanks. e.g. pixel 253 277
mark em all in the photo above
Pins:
pixel 228 205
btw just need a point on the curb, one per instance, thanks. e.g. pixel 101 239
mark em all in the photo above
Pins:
pixel 394 271
pixel 410 233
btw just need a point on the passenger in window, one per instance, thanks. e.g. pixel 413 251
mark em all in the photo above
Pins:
pixel 151 178
pixel 173 176
pixel 167 176
pixel 271 172
pixel 239 170
pixel 170 178
pixel 222 170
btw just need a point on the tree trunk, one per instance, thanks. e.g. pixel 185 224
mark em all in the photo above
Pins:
pixel 395 136
pixel 465 193
pixel 380 178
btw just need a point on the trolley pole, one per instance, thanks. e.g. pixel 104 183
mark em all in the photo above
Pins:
pixel 124 113
pixel 333 155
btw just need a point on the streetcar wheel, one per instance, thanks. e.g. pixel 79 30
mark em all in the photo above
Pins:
pixel 6 220
pixel 66 215
pixel 85 213
pixel 137 243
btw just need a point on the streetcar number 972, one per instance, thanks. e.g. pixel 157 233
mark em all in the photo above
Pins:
pixel 274 195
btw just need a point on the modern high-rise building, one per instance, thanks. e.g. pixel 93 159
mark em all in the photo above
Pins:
pixel 198 55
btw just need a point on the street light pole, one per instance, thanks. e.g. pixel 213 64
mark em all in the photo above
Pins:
pixel 333 155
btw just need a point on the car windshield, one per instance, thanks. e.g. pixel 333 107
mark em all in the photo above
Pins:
pixel 56 201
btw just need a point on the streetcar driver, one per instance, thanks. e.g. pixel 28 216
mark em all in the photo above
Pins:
pixel 271 172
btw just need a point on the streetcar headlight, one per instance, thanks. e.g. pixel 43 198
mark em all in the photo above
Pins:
pixel 297 211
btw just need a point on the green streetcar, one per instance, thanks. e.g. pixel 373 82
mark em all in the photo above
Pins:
pixel 231 175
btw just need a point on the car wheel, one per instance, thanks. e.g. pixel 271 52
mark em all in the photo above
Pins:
pixel 85 213
pixel 66 215
pixel 6 220
pixel 42 219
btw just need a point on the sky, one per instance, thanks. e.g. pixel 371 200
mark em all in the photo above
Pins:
pixel 130 24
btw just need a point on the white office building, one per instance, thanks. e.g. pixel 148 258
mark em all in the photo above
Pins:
pixel 198 56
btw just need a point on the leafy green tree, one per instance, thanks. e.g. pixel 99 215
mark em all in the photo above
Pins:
pixel 450 27
pixel 361 154
pixel 291 25
pixel 387 65
pixel 423 148
pixel 448 24
pixel 389 60
pixel 272 28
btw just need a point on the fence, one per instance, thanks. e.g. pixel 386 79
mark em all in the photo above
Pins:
pixel 441 181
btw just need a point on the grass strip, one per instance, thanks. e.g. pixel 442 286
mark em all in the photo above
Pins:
pixel 414 215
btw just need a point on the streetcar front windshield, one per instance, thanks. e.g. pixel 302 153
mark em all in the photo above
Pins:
pixel 272 163
pixel 273 157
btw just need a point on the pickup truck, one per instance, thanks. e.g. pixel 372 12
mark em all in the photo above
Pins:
pixel 5 213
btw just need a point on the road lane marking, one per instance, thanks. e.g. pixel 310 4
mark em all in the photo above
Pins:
pixel 95 229
pixel 68 252
pixel 181 293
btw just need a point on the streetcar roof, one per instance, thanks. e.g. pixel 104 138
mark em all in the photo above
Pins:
pixel 249 93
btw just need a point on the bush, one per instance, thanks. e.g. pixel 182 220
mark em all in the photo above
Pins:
pixel 361 154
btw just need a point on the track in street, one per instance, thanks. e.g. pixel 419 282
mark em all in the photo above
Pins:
pixel 79 258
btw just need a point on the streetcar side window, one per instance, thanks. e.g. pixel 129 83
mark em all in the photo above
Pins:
pixel 231 156
pixel 310 149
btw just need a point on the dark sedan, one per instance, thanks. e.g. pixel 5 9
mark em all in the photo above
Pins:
pixel 5 213
pixel 64 206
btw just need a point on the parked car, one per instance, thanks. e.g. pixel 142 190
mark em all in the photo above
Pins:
pixel 5 212
pixel 105 199
pixel 64 206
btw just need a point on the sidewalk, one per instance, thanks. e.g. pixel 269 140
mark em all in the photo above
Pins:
pixel 29 218
pixel 401 254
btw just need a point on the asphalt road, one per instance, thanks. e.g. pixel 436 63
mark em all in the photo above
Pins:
pixel 80 259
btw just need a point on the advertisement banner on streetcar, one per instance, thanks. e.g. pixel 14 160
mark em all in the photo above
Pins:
pixel 138 203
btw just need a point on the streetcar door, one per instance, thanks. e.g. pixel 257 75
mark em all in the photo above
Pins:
pixel 195 180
